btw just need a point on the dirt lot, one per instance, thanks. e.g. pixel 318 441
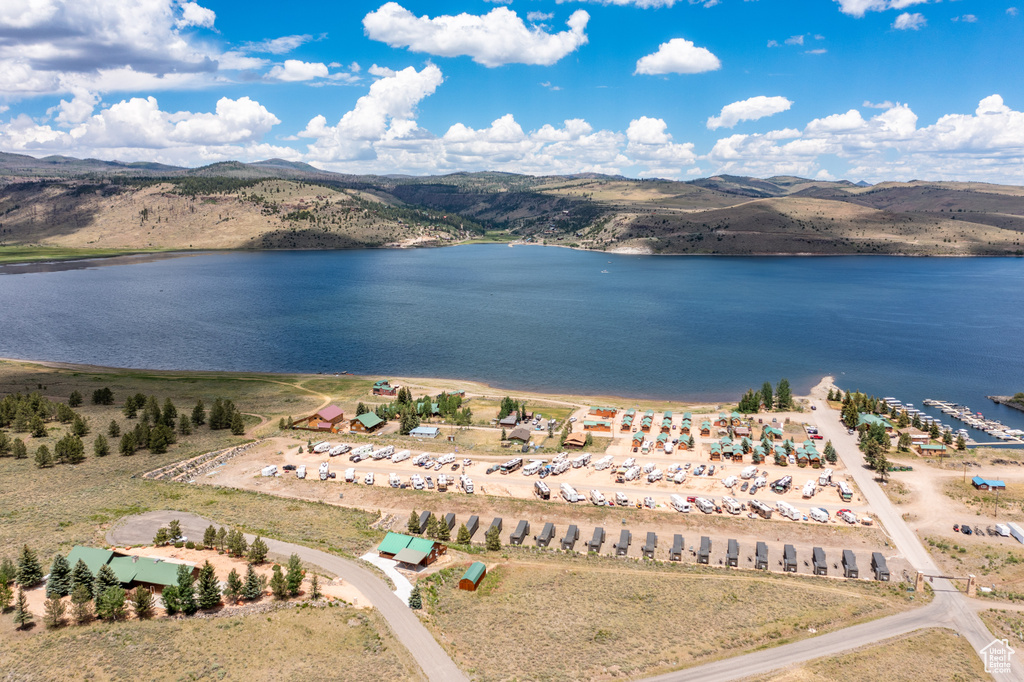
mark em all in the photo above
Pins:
pixel 309 643
pixel 936 655
pixel 613 619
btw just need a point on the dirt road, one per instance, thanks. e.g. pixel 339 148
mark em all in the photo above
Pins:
pixel 432 659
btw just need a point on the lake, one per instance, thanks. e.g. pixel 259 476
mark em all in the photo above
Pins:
pixel 546 319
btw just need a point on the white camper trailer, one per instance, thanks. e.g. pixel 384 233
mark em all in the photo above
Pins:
pixel 324 470
pixel 350 475
pixel 654 476
pixel 679 503
pixel 385 451
pixel 401 456
pixel 368 480
pixel 603 463
pixel 730 505
pixel 729 481
pixel 394 481
pixel 809 489
pixel 632 474
pixel 705 505
pixel 819 514
pixel 321 447
pixel 338 450
pixel 270 470
pixel 301 471
pixel 825 477
pixel 569 493
pixel 447 459
pixel 581 461
pixel 748 473
pixel 533 467
pixel 467 484
pixel 623 501
pixel 597 498
pixel 679 477
pixel 788 510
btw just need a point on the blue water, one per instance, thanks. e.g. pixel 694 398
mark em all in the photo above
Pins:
pixel 546 319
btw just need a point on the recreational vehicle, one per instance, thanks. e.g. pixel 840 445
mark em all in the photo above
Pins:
pixel 597 498
pixel 324 470
pixel 533 467
pixel 321 447
pixel 621 500
pixel 819 514
pixel 729 481
pixel 301 471
pixel 762 509
pixel 338 450
pixel 542 490
pixel 401 456
pixel 845 491
pixel 654 476
pixel 350 475
pixel 705 505
pixel 782 485
pixel 730 505
pixel 603 463
pixel 633 473
pixel 679 477
pixel 270 470
pixel 368 480
pixel 679 503
pixel 809 489
pixel 394 481
pixel 825 477
pixel 569 493
pixel 748 473
pixel 511 465
pixel 788 510
pixel 581 461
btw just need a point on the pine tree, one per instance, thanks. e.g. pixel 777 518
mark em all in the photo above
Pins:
pixel 174 529
pixel 237 424
pixel 53 613
pixel 961 444
pixel 81 576
pixel 159 438
pixel 361 409
pixel 783 395
pixel 128 444
pixel 947 437
pixel 217 415
pixel 209 537
pixel 161 537
pixel 199 413
pixel 114 429
pixel 493 539
pixel 252 589
pixel 38 427
pixel 766 396
pixel 131 409
pixel 79 427
pixel 413 526
pixel 112 604
pixel 904 442
pixel 105 579
pixel 258 551
pixel 75 399
pixel 186 590
pixel 463 537
pixel 233 587
pixel 222 534
pixel 22 616
pixel 432 527
pixel 152 410
pixel 170 413
pixel 208 588
pixel 30 573
pixel 278 584
pixel 19 449
pixel 444 533
pixel 142 603
pixel 830 453
pixel 81 603
pixel 314 588
pixel 44 459
pixel 185 425
pixel 100 446
pixel 415 599
pixel 6 595
pixel 169 597
pixel 5 443
pixel 59 582
pixel 295 573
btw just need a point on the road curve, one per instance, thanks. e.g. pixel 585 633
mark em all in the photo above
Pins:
pixel 435 663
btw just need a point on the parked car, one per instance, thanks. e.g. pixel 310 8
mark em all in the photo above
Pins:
pixel 572 420
pixel 687 466
pixel 711 471
pixel 816 436
pixel 289 467
pixel 743 488
pixel 430 482
pixel 965 529
pixel 455 467
pixel 956 527
pixel 491 469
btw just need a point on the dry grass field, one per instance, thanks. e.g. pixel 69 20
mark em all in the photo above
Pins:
pixel 293 643
pixel 1007 625
pixel 584 618
pixel 934 655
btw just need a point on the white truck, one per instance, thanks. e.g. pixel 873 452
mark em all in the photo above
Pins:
pixel 825 477
pixel 350 475
pixel 788 510
pixel 679 477
pixel 623 501
pixel 603 463
pixel 730 505
pixel 655 475
pixel 819 514
pixel 597 498
pixel 394 481
pixel 325 469
pixel 301 471
pixel 679 503
pixel 401 456
pixel 321 447
pixel 705 505
pixel 569 493
pixel 729 481
pixel 385 451
pixel 633 473
pixel 809 489
pixel 270 470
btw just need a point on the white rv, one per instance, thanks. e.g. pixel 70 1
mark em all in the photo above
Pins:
pixel 819 514
pixel 848 516
pixel 581 461
pixel 760 482
pixel 825 477
pixel 597 498
pixel 1003 529
pixel 270 470
pixel 788 510
pixel 809 488
pixel 623 501
pixel 417 482
pixel 301 471
pixel 668 447
pixel 705 505
pixel 633 474
pixel 655 475
pixel 385 451
pixel 679 477
pixel 729 482
pixel 648 468
pixel 603 463
pixel 730 505
pixel 368 480
pixel 561 467
pixel 324 470
pixel 447 459
pixel 394 481
pixel 679 503
pixel 419 459
pixel 322 446
pixel 630 462
pixel 401 456
pixel 748 473
pixel 533 467
pixel 338 450
pixel 569 493
pixel 467 484
pixel 350 475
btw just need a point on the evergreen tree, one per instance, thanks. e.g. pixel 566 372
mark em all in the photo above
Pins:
pixel 103 396
pixel 81 576
pixel 142 603
pixel 37 427
pixel 79 426
pixel 128 444
pixel 217 415
pixel 22 616
pixel 185 425
pixel 105 579
pixel 233 587
pixel 8 572
pixel 415 599
pixel 199 413
pixel 783 395
pixel 463 537
pixel 258 551
pixel 174 529
pixel 408 422
pixel 589 440
pixel 19 449
pixel 161 537
pixel 75 399
pixel 81 603
pixel 159 439
pixel 252 589
pixel 208 588
pixel 691 443
pixel 6 596
pixel 169 597
pixel 100 446
pixel 186 590
pixel 30 573
pixel 904 442
pixel 222 534
pixel 209 537
pixel 112 604
pixel 413 526
pixel 43 457
pixel 130 410
pixel 114 429
pixel 432 527
pixel 766 395
pixel 961 444
pixel 444 533
pixel 237 424
pixel 947 437
pixel 916 421
pixel 152 410
pixel 53 612
pixel 65 415
pixel 295 573
pixel 278 584
pixel 361 409
pixel 314 588
pixel 504 436
pixel 493 539
pixel 70 449
pixel 5 444
pixel 170 413
pixel 830 453
pixel 59 582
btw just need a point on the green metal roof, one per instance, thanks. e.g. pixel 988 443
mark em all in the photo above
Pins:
pixel 155 572
pixel 369 420
pixel 382 382
pixel 124 568
pixel 421 545
pixel 595 422
pixel 687 415
pixel 869 419
pixel 630 412
pixel 662 437
pixel 649 413
pixel 393 543
pixel 475 572
pixel 92 556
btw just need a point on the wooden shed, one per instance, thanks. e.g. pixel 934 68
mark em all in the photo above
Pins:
pixel 470 580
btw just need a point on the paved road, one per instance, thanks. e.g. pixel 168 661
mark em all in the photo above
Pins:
pixel 435 663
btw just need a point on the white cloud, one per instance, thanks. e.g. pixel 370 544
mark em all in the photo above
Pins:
pixel 795 40
pixel 773 43
pixel 494 39
pixel 77 110
pixel 549 86
pixel 1012 11
pixel 282 45
pixel 194 15
pixel 678 56
pixel 539 16
pixel 643 4
pixel 296 70
pixel 819 50
pixel 748 110
pixel 966 18
pixel 858 8
pixel 909 22
pixel 879 105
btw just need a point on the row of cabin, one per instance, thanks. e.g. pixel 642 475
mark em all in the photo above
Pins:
pixel 331 419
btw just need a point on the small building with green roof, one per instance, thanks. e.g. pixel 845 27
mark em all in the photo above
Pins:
pixel 368 422
pixel 408 549
pixel 470 580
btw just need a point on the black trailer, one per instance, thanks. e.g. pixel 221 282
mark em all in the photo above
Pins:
pixel 424 517
pixel 789 559
pixel 650 545
pixel 879 566
pixel 571 537
pixel 704 553
pixel 520 533
pixel 546 535
pixel 449 520
pixel 820 564
pixel 595 542
pixel 625 540
pixel 676 553
pixel 732 555
pixel 761 557
pixel 850 564
pixel 473 525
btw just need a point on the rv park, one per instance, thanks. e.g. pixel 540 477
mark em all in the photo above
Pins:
pixel 801 573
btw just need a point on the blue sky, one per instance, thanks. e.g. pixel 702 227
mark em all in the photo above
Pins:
pixel 858 89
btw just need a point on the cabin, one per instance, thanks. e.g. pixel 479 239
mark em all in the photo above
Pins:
pixel 330 419
pixel 597 425
pixel 771 432
pixel 368 422
pixel 666 422
pixel 410 550
pixel 132 570
pixel 638 439
pixel 546 535
pixel 705 428
pixel 660 442
pixel 716 452
pixel 647 421
pixel 868 419
pixel 722 420
pixel 735 419
pixel 627 421
pixel 521 434
pixel 472 525
pixel 931 449
pixel 470 580
pixel 684 427
pixel 801 458
pixel 509 421
pixel 625 540
pixel 604 412
pixel 732 554
pixel 987 484
pixel 575 440
pixel 676 553
pixel 425 432
pixel 704 553
pixel 384 387
pixel 789 564
pixel 596 540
